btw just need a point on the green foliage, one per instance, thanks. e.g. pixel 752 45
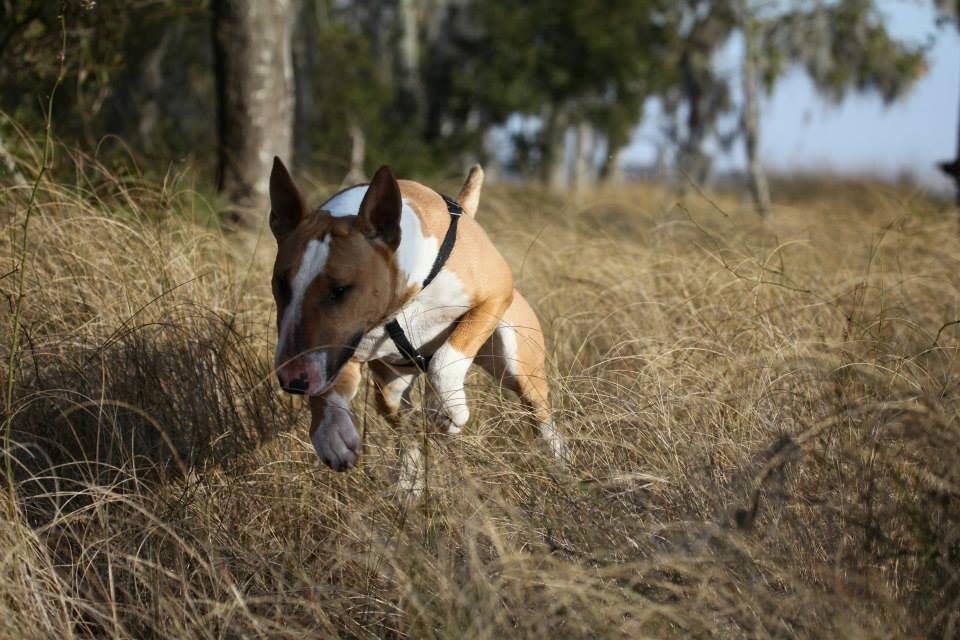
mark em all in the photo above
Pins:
pixel 597 61
pixel 139 74
pixel 139 70
pixel 843 47
pixel 348 86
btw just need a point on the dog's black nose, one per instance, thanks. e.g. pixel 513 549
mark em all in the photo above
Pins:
pixel 298 386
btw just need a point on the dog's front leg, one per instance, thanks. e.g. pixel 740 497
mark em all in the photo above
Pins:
pixel 449 364
pixel 332 432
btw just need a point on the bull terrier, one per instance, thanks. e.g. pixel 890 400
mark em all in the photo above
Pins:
pixel 397 276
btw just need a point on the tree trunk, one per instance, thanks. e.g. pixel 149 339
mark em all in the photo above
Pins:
pixel 358 155
pixel 584 175
pixel 254 73
pixel 692 162
pixel 609 172
pixel 304 66
pixel 410 80
pixel 750 122
pixel 152 79
pixel 554 169
pixel 492 166
pixel 9 166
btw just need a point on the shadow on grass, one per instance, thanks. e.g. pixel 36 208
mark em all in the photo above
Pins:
pixel 155 403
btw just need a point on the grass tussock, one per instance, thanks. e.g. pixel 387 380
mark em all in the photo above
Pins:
pixel 763 420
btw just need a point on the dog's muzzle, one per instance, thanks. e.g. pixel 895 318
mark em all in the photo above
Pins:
pixel 306 374
pixel 315 372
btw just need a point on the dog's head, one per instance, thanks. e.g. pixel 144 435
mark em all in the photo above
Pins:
pixel 332 280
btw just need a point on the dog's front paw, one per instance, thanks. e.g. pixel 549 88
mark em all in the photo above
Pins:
pixel 336 440
pixel 448 413
pixel 447 404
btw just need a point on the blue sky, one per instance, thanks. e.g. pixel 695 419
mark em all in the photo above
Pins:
pixel 801 131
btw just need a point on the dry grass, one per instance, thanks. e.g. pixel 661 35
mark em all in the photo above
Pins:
pixel 763 421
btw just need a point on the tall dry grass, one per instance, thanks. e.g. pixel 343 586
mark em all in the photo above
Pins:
pixel 763 420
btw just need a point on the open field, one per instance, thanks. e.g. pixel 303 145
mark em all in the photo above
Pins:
pixel 764 421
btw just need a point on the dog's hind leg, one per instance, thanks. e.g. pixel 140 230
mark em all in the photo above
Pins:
pixel 394 386
pixel 515 356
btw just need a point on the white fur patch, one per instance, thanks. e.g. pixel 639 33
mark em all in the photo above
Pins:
pixel 335 403
pixel 431 312
pixel 507 335
pixel 448 369
pixel 416 253
pixel 336 439
pixel 312 264
pixel 345 203
pixel 555 442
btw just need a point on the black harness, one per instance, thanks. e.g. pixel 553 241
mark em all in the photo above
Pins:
pixel 406 349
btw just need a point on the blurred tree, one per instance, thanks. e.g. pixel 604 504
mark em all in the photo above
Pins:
pixel 309 23
pixel 750 118
pixel 136 72
pixel 255 95
pixel 582 66
pixel 842 46
pixel 343 77
pixel 695 103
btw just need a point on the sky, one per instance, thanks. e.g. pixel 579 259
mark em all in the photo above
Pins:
pixel 801 131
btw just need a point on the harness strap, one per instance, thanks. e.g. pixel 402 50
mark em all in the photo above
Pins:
pixel 394 330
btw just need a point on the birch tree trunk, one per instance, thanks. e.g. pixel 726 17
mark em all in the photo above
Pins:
pixel 751 125
pixel 254 74
pixel 411 82
pixel 554 169
pixel 9 165
pixel 584 175
pixel 358 155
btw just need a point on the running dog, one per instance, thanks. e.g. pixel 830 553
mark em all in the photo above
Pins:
pixel 400 277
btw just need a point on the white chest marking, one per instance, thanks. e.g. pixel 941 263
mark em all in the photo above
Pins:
pixel 312 263
pixel 429 314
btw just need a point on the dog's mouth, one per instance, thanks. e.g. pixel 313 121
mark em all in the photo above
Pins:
pixel 334 368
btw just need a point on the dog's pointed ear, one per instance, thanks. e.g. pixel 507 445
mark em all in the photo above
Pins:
pixel 379 215
pixel 286 204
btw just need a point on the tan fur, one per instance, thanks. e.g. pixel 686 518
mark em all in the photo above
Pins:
pixel 342 268
pixel 356 257
pixel 482 269
pixel 529 381
pixel 469 197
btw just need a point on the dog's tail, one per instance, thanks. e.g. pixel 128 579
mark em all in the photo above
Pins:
pixel 469 197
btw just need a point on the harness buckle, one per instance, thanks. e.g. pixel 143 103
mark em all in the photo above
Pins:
pixel 452 206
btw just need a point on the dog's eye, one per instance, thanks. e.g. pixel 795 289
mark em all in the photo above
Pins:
pixel 339 292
